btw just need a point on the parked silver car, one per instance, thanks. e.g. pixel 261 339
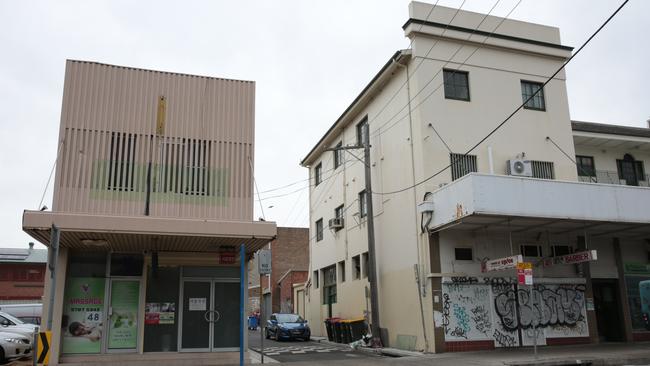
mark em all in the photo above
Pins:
pixel 11 324
pixel 13 346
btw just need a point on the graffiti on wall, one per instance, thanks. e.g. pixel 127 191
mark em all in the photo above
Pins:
pixel 496 309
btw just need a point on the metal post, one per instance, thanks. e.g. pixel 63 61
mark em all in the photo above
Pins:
pixel 53 258
pixel 261 319
pixel 242 287
pixel 372 270
pixel 534 322
pixel 35 347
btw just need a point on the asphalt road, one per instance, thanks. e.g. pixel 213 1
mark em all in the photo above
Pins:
pixel 296 351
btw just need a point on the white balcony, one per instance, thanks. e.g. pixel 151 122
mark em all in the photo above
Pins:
pixel 507 203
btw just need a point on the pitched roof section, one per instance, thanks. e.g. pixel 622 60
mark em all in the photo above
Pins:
pixel 14 255
pixel 610 129
pixel 360 100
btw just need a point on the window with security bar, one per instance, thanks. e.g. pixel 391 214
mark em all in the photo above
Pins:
pixel 543 169
pixel 462 165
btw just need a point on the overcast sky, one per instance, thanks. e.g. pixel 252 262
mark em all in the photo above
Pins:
pixel 309 59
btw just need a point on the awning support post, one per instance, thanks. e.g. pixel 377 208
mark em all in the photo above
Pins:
pixel 242 274
pixel 52 259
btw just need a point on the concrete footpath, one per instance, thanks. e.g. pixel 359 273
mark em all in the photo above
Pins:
pixel 593 354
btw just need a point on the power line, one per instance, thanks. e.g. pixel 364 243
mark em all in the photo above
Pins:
pixel 494 130
pixel 378 130
pixel 591 178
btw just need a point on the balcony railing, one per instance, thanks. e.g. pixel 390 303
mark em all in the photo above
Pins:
pixel 611 177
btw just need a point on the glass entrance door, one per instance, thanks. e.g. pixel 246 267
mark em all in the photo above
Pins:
pixel 195 323
pixel 210 316
pixel 226 305
pixel 123 319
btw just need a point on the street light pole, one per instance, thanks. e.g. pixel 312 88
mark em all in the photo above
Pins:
pixel 370 217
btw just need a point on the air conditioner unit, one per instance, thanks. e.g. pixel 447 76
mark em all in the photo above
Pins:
pixel 336 223
pixel 520 167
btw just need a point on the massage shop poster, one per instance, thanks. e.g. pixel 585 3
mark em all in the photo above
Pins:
pixel 82 315
pixel 123 332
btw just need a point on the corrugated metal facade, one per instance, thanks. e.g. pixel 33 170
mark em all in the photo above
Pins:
pixel 199 157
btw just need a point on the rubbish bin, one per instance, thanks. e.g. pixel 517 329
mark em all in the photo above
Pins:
pixel 358 328
pixel 346 335
pixel 252 322
pixel 329 326
pixel 338 330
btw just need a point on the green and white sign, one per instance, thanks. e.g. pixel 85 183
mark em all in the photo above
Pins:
pixel 123 333
pixel 83 311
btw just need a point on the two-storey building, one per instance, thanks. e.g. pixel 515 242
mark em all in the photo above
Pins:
pixel 153 200
pixel 450 197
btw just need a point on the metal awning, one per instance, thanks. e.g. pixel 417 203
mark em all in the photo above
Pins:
pixel 516 204
pixel 126 233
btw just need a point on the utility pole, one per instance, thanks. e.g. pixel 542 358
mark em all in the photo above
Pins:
pixel 370 223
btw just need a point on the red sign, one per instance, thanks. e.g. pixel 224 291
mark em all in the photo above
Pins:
pixel 525 273
pixel 227 257
pixel 501 263
pixel 580 257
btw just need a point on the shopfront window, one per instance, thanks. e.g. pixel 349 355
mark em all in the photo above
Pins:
pixel 637 281
pixel 83 306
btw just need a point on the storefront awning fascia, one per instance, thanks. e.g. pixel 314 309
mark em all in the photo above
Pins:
pixel 516 204
pixel 128 233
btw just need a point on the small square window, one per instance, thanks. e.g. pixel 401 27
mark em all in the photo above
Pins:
pixel 456 84
pixel 528 90
pixel 319 229
pixel 463 254
pixel 318 174
pixel 356 267
pixel 585 166
pixel 338 155
pixel 363 204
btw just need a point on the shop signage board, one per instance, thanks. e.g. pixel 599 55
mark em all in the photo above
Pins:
pixel 637 268
pixel 574 258
pixel 525 273
pixel 83 307
pixel 123 332
pixel 501 263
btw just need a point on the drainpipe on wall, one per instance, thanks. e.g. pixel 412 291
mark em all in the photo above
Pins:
pixel 490 159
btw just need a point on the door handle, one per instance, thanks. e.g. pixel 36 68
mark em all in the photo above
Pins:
pixel 207 317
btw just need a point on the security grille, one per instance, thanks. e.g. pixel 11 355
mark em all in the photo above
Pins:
pixel 185 167
pixel 122 162
pixel 543 169
pixel 462 164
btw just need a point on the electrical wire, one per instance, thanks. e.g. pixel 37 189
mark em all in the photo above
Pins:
pixel 509 117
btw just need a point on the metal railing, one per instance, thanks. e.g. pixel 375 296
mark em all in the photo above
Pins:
pixel 611 177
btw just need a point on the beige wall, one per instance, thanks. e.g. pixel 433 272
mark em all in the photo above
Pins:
pixel 405 150
pixel 110 113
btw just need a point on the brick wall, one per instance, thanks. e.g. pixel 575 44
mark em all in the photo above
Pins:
pixel 21 281
pixel 289 251
pixel 286 289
